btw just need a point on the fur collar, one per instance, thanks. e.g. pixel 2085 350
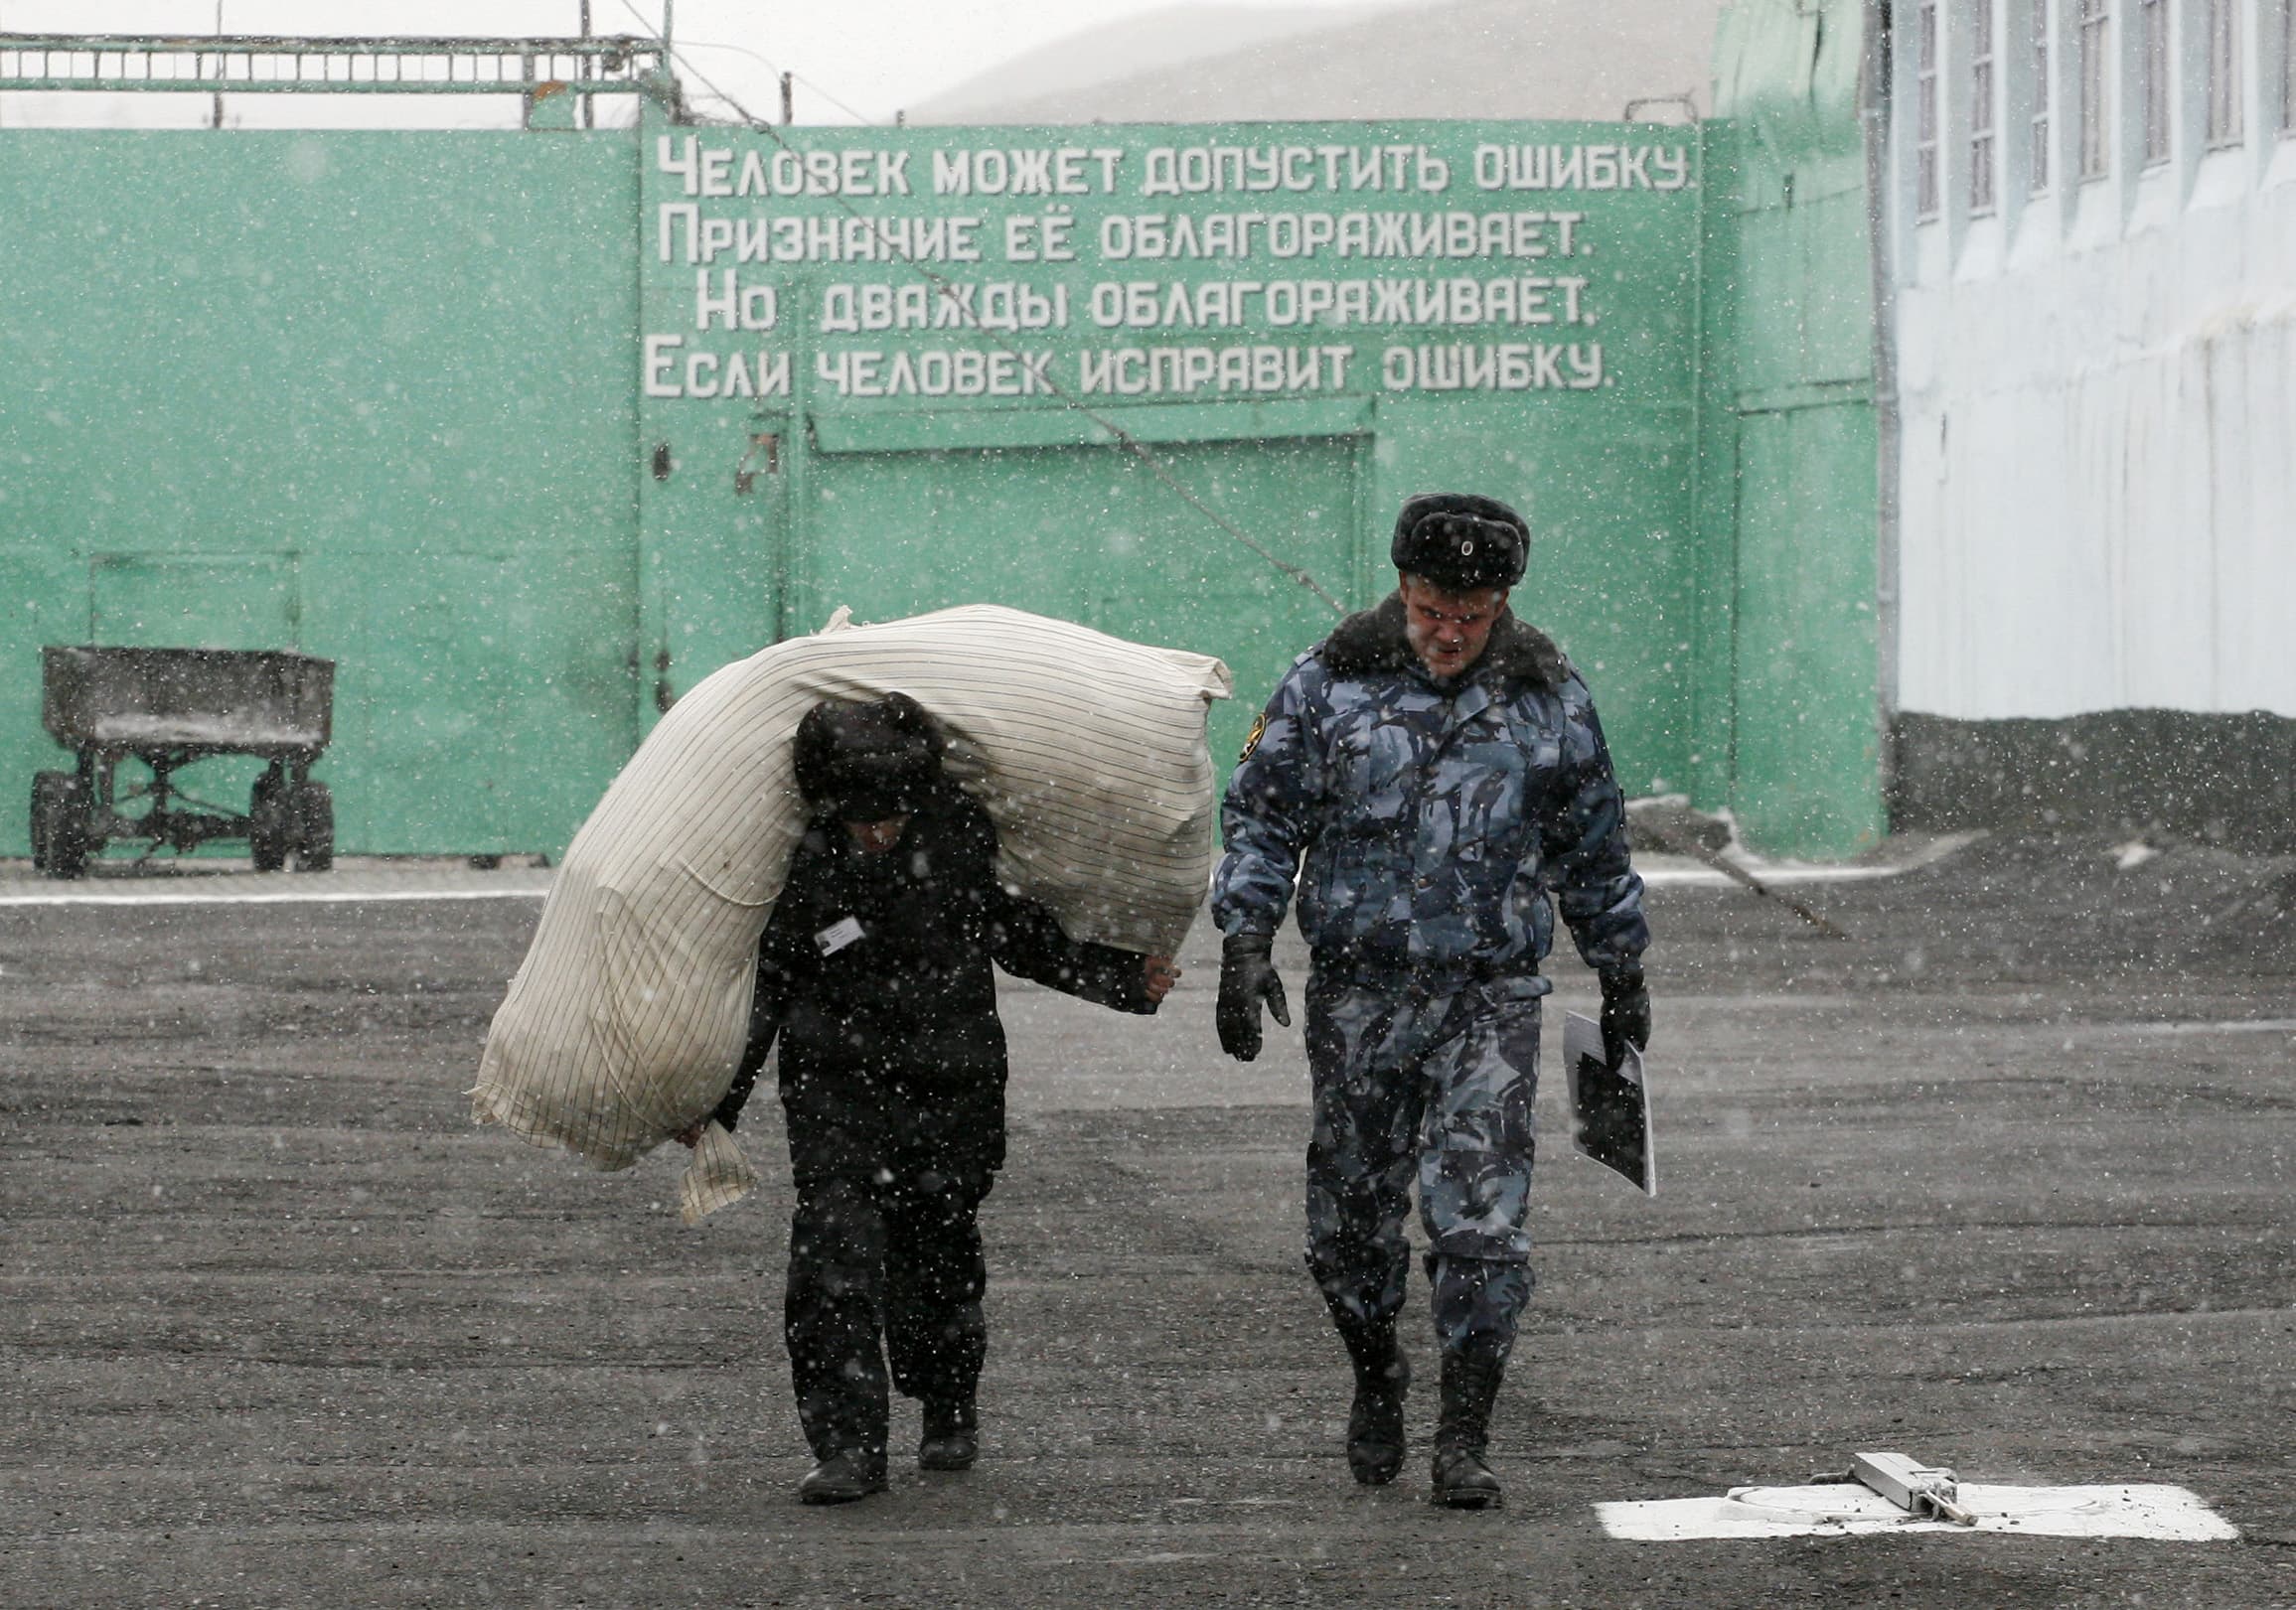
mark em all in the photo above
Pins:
pixel 1373 639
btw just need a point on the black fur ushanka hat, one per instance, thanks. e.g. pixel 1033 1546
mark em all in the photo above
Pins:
pixel 1460 542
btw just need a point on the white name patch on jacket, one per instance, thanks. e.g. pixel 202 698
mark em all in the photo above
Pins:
pixel 840 933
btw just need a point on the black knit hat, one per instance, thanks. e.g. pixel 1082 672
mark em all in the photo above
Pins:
pixel 1460 542
pixel 866 762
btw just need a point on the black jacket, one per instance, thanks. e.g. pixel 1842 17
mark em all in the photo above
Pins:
pixel 886 959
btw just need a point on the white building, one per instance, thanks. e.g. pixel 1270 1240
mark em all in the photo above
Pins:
pixel 2090 233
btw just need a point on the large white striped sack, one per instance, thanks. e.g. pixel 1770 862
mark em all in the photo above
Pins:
pixel 629 1013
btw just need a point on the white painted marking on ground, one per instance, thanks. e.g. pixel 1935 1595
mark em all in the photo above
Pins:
pixel 2237 1025
pixel 242 888
pixel 229 896
pixel 1656 871
pixel 1898 857
pixel 2161 1512
pixel 259 889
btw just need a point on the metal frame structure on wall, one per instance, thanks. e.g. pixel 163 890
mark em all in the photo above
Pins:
pixel 618 65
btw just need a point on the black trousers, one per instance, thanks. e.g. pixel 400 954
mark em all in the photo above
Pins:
pixel 891 1164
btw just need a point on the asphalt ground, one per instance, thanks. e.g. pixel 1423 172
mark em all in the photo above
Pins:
pixel 2001 1181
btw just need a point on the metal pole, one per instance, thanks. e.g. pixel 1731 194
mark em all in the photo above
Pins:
pixel 216 119
pixel 1874 114
pixel 589 69
pixel 788 98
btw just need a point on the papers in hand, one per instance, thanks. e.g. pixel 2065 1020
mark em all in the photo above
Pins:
pixel 1609 1107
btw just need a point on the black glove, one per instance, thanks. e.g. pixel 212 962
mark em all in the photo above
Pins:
pixel 1247 977
pixel 1626 1014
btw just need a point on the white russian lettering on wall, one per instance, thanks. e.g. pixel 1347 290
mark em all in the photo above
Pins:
pixel 1394 233
pixel 1136 371
pixel 1513 365
pixel 721 171
pixel 987 268
pixel 1227 304
pixel 1068 170
pixel 1580 167
pixel 935 371
pixel 672 370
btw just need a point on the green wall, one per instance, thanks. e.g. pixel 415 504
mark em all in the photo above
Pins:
pixel 363 395
pixel 1787 712
pixel 387 397
pixel 1090 535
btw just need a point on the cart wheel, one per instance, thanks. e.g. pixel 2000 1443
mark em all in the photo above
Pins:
pixel 58 825
pixel 44 789
pixel 270 829
pixel 314 828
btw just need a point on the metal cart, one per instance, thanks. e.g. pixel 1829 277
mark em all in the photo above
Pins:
pixel 170 707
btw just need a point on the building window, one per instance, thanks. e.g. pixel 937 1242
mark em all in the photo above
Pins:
pixel 2041 94
pixel 2153 78
pixel 1926 186
pixel 2288 67
pixel 1981 109
pixel 2225 72
pixel 2095 82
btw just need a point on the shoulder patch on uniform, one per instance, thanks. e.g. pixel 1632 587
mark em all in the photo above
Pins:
pixel 1252 738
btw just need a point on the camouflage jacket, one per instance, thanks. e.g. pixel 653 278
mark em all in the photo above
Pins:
pixel 1428 823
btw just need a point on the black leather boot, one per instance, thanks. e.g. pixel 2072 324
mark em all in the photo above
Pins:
pixel 951 1434
pixel 1375 1439
pixel 1463 1480
pixel 844 1477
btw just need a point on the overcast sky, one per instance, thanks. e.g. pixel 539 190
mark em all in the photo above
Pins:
pixel 873 57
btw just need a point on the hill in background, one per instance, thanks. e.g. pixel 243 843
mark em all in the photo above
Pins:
pixel 1468 59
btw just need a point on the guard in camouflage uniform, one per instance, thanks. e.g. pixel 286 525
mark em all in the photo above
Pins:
pixel 1431 773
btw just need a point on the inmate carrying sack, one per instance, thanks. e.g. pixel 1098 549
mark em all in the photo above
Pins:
pixel 629 1012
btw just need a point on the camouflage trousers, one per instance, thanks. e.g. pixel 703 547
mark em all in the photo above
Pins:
pixel 1431 1082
